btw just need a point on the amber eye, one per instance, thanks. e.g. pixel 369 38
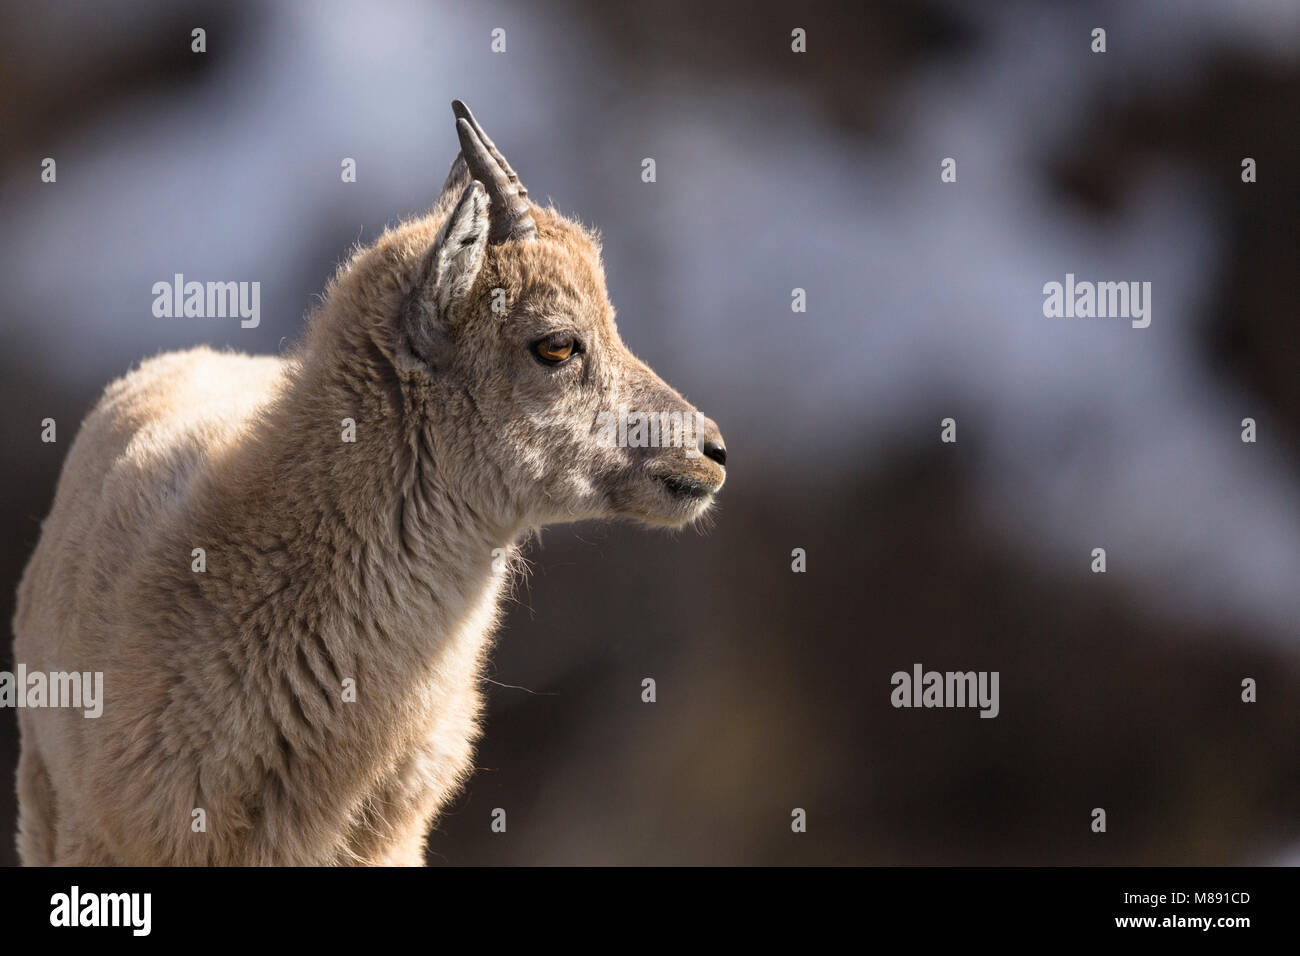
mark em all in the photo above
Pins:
pixel 556 349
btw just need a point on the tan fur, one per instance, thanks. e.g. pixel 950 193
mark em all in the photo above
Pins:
pixel 326 560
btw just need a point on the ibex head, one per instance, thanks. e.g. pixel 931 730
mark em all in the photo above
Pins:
pixel 508 331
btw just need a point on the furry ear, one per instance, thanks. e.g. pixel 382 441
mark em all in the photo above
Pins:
pixel 458 250
pixel 451 267
pixel 453 187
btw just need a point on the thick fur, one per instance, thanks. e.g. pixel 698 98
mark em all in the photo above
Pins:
pixel 376 561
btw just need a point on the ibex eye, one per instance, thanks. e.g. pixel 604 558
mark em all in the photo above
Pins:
pixel 556 349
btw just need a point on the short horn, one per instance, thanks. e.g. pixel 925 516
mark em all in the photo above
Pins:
pixel 509 214
pixel 462 112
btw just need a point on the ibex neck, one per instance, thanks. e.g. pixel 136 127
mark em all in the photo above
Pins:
pixel 340 486
pixel 359 598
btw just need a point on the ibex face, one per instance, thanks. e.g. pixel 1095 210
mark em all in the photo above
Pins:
pixel 510 324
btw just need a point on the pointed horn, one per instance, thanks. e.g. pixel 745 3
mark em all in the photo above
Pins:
pixel 462 112
pixel 510 216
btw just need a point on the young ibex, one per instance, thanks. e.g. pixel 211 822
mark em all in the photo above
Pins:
pixel 305 689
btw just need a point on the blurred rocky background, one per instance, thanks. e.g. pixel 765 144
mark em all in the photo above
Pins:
pixel 776 170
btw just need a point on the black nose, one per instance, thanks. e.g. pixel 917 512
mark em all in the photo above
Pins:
pixel 716 451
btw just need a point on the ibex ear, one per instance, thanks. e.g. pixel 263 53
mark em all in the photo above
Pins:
pixel 458 250
pixel 453 187
pixel 451 267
